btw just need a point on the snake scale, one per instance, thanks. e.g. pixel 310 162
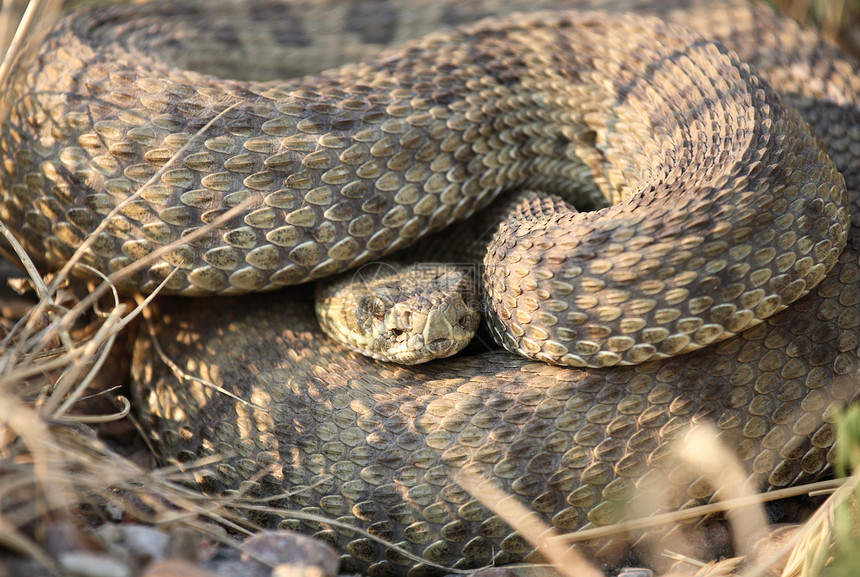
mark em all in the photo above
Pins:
pixel 344 167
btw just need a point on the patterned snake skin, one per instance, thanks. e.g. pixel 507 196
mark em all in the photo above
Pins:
pixel 371 445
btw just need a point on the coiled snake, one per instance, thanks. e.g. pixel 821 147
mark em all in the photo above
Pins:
pixel 344 167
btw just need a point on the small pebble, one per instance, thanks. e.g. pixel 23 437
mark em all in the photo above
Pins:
pixel 525 570
pixel 145 541
pixel 114 512
pixel 768 548
pixel 236 568
pixel 61 538
pixel 185 543
pixel 85 564
pixel 175 568
pixel 494 572
pixel 291 570
pixel 291 554
pixel 635 572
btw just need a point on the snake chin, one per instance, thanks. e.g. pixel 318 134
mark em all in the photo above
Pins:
pixel 420 352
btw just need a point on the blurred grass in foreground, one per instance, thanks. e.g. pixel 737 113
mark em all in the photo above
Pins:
pixel 838 20
pixel 846 526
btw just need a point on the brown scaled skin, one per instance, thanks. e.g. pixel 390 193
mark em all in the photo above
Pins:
pixel 373 446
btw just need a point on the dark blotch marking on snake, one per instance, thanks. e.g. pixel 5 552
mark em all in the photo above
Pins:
pixel 288 29
pixel 381 13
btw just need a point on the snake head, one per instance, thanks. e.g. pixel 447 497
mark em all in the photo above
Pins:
pixel 405 315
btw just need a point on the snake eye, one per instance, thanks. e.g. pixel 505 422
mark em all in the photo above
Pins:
pixel 378 307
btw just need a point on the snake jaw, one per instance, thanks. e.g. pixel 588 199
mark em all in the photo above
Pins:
pixel 427 331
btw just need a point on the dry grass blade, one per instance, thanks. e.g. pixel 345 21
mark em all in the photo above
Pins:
pixel 183 376
pixel 64 272
pixel 14 539
pixel 720 568
pixel 712 569
pixel 527 523
pixel 42 11
pixel 700 511
pixel 18 422
pixel 703 450
pixel 29 266
pixel 247 505
pixel 829 542
pixel 813 547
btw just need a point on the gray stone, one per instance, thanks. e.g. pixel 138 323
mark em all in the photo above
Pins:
pixel 291 554
pixel 86 564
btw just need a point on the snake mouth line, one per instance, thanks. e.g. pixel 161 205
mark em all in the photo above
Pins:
pixel 438 348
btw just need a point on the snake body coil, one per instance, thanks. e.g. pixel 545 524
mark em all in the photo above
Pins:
pixel 337 169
